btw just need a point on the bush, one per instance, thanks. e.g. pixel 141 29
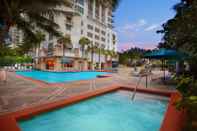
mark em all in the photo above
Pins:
pixel 11 60
pixel 188 88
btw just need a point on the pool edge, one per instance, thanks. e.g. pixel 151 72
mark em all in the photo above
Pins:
pixel 41 82
pixel 8 122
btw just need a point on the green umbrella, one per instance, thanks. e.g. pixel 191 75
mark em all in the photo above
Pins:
pixel 164 54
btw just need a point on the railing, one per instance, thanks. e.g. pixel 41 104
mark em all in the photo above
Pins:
pixel 142 74
pixel 135 90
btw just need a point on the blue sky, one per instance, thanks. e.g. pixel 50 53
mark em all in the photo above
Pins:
pixel 136 22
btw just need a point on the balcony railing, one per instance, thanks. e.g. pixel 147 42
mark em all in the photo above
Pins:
pixel 58 52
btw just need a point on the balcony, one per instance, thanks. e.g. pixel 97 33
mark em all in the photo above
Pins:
pixel 69 23
pixel 57 52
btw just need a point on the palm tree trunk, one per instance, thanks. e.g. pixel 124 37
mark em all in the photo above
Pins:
pixel 63 55
pixel 83 53
pixel 37 51
pixel 99 58
pixel 63 51
pixel 92 58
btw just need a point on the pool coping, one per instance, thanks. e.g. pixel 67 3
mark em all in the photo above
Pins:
pixel 173 119
pixel 61 83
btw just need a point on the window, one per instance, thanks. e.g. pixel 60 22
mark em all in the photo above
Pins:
pixel 68 27
pixel 68 23
pixel 90 8
pixel 50 49
pixel 79 9
pixel 110 20
pixel 81 32
pixel 81 23
pixel 103 14
pixel 90 27
pixel 68 19
pixel 89 34
pixel 97 13
pixel 103 32
pixel 97 44
pixel 103 39
pixel 96 37
pixel 97 30
pixel 81 2
pixel 114 37
pixel 110 13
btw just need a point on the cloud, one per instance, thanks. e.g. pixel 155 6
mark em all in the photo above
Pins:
pixel 131 27
pixel 137 34
pixel 142 22
pixel 151 27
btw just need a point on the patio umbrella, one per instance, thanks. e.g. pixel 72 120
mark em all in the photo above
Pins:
pixel 165 54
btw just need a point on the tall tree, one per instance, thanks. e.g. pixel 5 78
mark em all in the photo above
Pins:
pixel 28 15
pixel 37 41
pixel 131 55
pixel 66 42
pixel 92 49
pixel 100 52
pixel 84 43
pixel 30 44
pixel 180 32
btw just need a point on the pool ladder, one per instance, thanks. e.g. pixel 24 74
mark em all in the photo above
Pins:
pixel 135 90
pixel 138 83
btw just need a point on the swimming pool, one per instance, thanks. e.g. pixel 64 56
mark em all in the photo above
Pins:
pixel 110 112
pixel 56 77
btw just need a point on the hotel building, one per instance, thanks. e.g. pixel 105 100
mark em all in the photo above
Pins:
pixel 85 18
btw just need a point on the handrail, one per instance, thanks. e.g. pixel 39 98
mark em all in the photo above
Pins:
pixel 135 90
pixel 142 74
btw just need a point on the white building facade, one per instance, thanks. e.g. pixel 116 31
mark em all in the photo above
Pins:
pixel 89 19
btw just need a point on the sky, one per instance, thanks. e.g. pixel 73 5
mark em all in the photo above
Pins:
pixel 136 22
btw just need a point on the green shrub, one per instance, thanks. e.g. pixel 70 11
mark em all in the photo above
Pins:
pixel 10 60
pixel 188 88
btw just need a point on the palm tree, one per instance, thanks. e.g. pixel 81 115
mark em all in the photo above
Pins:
pixel 31 43
pixel 92 48
pixel 65 41
pixel 84 42
pixel 100 51
pixel 25 46
pixel 39 38
pixel 29 15
pixel 108 53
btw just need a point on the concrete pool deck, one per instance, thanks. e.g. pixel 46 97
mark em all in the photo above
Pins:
pixel 19 93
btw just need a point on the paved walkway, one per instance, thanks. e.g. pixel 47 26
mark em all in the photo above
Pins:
pixel 19 93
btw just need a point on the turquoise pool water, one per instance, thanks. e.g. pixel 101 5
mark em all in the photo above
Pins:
pixel 53 77
pixel 111 112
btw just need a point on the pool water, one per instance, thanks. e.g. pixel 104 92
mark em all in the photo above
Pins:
pixel 55 77
pixel 110 112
